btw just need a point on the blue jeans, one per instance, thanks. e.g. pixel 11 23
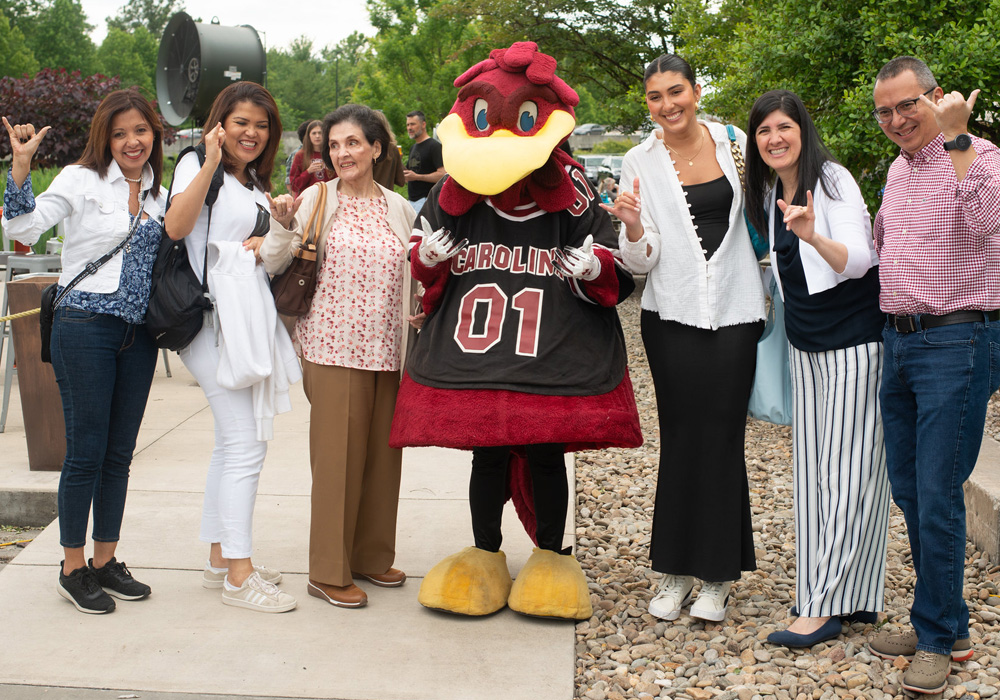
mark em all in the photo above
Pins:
pixel 104 368
pixel 935 387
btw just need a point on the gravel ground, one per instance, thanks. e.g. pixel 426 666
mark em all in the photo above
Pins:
pixel 624 652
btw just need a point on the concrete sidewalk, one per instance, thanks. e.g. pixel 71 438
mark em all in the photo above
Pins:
pixel 184 640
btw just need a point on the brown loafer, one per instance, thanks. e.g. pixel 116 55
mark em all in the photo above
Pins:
pixel 390 579
pixel 342 596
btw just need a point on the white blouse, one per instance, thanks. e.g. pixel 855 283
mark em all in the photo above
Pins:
pixel 681 285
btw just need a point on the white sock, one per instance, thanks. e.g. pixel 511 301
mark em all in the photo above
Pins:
pixel 229 586
pixel 215 570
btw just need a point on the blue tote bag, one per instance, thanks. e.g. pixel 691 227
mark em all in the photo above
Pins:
pixel 771 397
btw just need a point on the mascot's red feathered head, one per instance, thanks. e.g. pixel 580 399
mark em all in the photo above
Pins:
pixel 501 138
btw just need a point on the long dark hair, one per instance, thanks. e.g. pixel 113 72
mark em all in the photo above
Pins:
pixel 812 157
pixel 307 145
pixel 97 153
pixel 259 169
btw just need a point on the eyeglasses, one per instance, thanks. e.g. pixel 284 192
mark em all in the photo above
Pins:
pixel 906 108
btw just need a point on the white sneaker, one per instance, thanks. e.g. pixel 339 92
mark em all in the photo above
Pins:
pixel 211 579
pixel 257 594
pixel 713 601
pixel 672 595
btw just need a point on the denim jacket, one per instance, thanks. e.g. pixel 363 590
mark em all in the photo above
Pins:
pixel 95 217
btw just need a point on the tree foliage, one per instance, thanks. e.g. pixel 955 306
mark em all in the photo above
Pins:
pixel 15 57
pixel 414 59
pixel 132 57
pixel 65 101
pixel 57 35
pixel 151 15
pixel 829 53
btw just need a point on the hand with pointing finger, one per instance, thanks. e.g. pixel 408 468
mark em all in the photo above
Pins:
pixel 952 112
pixel 214 141
pixel 283 208
pixel 800 220
pixel 627 206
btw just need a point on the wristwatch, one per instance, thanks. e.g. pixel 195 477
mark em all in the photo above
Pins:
pixel 962 142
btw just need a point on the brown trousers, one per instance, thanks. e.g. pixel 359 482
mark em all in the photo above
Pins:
pixel 355 474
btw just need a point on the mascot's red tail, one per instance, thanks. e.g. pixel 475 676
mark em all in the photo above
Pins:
pixel 520 491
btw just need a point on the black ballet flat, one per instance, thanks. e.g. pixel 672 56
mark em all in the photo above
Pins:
pixel 830 630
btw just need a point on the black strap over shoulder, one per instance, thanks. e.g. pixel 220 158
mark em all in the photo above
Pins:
pixel 218 177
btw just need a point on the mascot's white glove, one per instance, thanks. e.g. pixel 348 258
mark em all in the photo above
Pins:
pixel 579 263
pixel 439 245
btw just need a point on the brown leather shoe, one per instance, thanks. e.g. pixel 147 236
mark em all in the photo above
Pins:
pixel 390 579
pixel 342 596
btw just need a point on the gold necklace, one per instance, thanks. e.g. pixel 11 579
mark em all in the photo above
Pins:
pixel 691 159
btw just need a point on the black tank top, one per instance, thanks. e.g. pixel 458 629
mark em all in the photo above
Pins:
pixel 710 203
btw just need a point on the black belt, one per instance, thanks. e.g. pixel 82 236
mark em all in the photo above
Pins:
pixel 909 324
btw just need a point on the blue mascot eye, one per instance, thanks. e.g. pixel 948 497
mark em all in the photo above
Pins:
pixel 479 115
pixel 528 114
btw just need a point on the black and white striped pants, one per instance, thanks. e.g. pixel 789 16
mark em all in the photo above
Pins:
pixel 840 482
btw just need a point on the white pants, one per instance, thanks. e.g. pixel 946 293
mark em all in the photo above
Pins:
pixel 233 473
pixel 840 481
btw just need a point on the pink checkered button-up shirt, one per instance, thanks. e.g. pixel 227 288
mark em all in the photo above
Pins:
pixel 937 238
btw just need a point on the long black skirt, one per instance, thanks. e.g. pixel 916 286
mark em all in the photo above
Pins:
pixel 701 521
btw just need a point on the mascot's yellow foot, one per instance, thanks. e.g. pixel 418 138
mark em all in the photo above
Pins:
pixel 551 585
pixel 470 582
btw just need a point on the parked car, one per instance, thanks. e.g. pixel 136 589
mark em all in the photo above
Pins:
pixel 589 129
pixel 189 134
pixel 591 167
pixel 612 165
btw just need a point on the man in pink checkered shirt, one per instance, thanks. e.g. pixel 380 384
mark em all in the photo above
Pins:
pixel 939 250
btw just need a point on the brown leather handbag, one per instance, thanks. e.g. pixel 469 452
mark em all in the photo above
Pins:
pixel 294 288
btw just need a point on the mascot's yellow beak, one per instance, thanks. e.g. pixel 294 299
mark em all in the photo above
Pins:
pixel 489 165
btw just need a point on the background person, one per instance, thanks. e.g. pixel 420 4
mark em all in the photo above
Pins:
pixel 702 314
pixel 242 133
pixel 102 356
pixel 942 296
pixel 824 262
pixel 425 165
pixel 301 131
pixel 307 165
pixel 351 341
pixel 389 171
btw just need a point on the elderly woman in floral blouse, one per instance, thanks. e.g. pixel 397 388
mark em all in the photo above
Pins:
pixel 352 354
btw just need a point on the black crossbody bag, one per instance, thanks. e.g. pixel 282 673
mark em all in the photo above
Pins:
pixel 51 299
pixel 177 300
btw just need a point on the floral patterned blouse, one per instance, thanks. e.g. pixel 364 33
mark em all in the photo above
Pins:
pixel 356 318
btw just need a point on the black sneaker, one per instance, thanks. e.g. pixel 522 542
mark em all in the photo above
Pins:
pixel 115 578
pixel 81 588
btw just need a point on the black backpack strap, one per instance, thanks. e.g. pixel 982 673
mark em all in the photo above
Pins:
pixel 218 177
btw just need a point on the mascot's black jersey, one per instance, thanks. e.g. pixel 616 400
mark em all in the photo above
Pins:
pixel 507 320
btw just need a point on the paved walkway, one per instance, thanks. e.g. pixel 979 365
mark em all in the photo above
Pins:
pixel 183 640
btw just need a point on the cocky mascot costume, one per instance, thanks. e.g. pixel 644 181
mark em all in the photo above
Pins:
pixel 521 354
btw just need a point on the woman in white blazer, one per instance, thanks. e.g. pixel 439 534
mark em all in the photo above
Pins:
pixel 702 314
pixel 825 264
pixel 101 354
pixel 352 342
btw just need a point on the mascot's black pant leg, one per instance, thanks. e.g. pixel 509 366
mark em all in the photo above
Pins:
pixel 548 481
pixel 488 488
pixel 487 494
